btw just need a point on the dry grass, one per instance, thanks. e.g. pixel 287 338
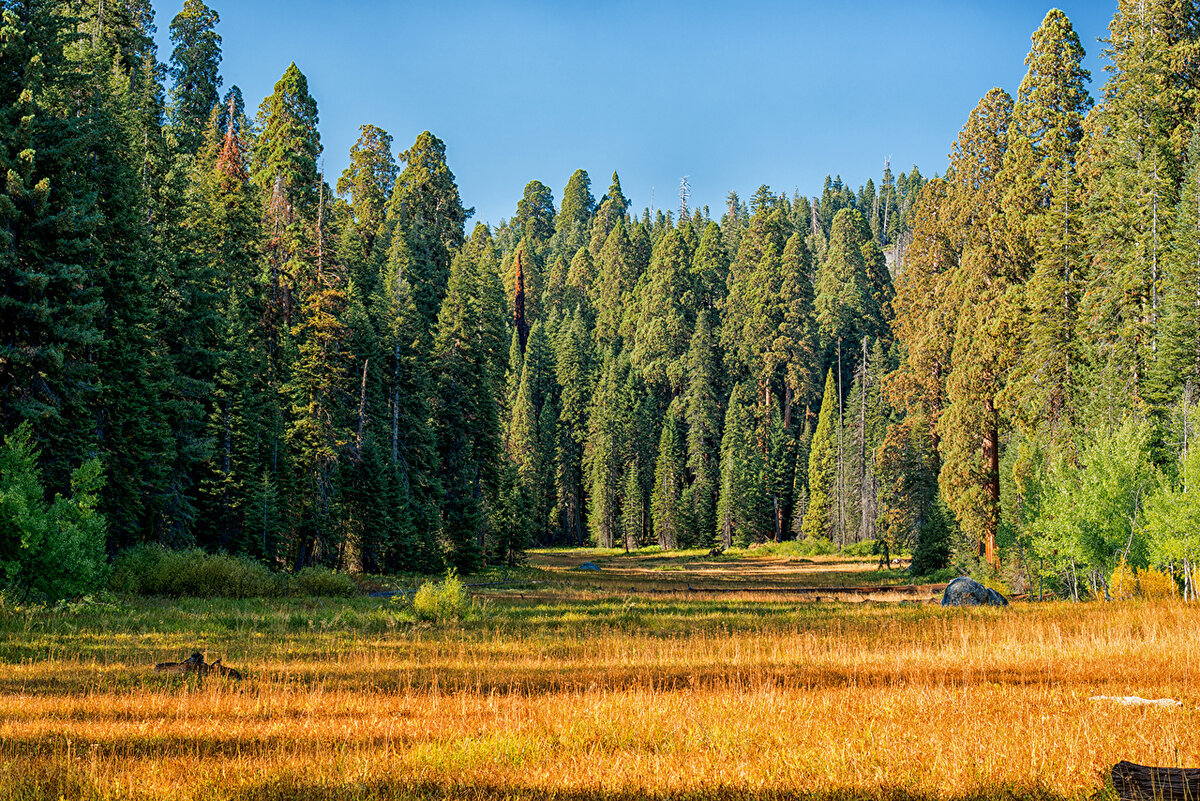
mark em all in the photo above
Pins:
pixel 593 697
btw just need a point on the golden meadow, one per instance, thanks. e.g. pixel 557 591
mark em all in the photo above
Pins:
pixel 576 692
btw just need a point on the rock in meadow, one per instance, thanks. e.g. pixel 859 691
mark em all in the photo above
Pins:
pixel 965 591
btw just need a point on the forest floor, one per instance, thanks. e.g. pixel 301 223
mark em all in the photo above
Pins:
pixel 569 684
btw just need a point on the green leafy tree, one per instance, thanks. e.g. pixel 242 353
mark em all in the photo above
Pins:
pixel 51 306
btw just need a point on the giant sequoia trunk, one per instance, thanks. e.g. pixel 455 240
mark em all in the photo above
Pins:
pixel 991 458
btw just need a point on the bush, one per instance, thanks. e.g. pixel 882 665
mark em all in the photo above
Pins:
pixel 1122 585
pixel 155 570
pixel 1154 584
pixel 864 548
pixel 322 581
pixel 1126 583
pixel 442 601
pixel 48 550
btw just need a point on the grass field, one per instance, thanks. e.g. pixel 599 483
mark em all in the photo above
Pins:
pixel 617 683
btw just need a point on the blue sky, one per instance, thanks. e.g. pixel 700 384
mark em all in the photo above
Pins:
pixel 731 94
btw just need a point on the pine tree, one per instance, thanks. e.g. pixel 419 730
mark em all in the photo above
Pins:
pixel 426 210
pixel 51 306
pixel 664 320
pixel 1043 203
pixel 845 308
pixel 466 409
pixel 1178 364
pixel 195 72
pixel 605 455
pixel 534 219
pixel 532 432
pixel 742 515
pixel 612 210
pixel 702 413
pixel 668 508
pixel 368 181
pixel 318 429
pixel 820 519
pixel 575 213
pixel 410 447
pixel 1131 166
pixel 573 374
pixel 616 276
pixel 986 329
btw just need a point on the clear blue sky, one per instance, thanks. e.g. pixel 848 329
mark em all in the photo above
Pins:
pixel 732 94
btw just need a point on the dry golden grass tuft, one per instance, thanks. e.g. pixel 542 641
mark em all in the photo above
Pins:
pixel 595 697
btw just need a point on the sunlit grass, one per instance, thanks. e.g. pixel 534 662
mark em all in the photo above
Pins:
pixel 589 695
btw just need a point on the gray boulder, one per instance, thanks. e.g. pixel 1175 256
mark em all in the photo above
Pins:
pixel 964 591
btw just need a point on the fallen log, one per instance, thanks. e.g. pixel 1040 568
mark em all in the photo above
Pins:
pixel 1142 783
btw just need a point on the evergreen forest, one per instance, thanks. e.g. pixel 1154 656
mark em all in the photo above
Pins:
pixel 207 342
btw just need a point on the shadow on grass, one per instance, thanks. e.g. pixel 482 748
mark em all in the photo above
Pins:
pixel 52 785
pixel 509 792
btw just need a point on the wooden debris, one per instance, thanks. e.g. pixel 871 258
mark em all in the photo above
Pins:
pixel 195 665
pixel 1142 783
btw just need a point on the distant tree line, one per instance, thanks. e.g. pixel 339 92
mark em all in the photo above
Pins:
pixel 262 362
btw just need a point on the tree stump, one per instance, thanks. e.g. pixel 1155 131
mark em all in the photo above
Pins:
pixel 1141 783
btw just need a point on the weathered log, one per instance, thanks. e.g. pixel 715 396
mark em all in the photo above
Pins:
pixel 1142 783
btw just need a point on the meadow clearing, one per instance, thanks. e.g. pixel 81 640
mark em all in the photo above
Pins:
pixel 619 683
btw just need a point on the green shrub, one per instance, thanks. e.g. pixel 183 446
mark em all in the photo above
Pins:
pixel 155 570
pixel 864 548
pixel 441 601
pixel 49 550
pixel 815 546
pixel 320 581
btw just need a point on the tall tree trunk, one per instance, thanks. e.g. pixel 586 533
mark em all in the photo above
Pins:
pixel 991 458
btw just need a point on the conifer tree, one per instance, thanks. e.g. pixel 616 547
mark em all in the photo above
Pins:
pixel 605 455
pixel 534 219
pixel 702 413
pixel 820 518
pixel 741 511
pixel 1043 205
pixel 573 374
pixel 986 329
pixel 612 209
pixel 368 181
pixel 1178 363
pixel 575 213
pixel 616 276
pixel 412 458
pixel 1139 132
pixel 426 210
pixel 845 308
pixel 195 72
pixel 532 432
pixel 664 321
pixel 51 309
pixel 668 507
pixel 466 410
